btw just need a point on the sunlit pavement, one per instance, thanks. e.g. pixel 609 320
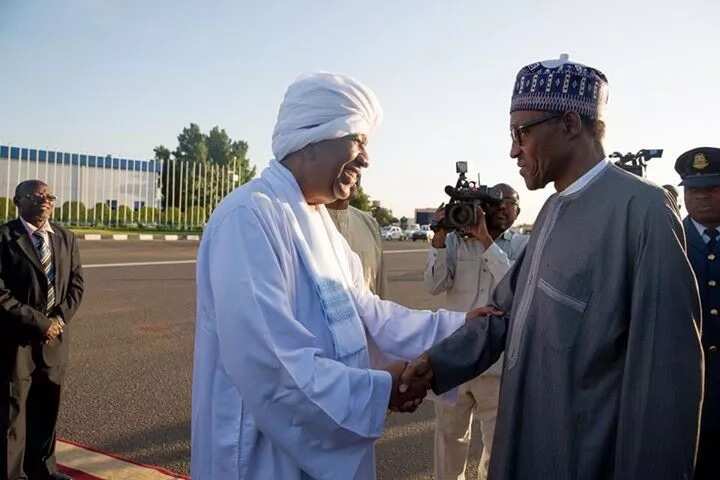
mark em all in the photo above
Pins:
pixel 129 380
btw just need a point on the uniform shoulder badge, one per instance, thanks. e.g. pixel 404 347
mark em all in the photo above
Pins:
pixel 700 162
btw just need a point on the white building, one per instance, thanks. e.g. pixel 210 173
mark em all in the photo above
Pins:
pixel 90 179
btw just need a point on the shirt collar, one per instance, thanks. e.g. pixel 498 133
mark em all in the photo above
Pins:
pixel 30 228
pixel 506 235
pixel 581 182
pixel 701 229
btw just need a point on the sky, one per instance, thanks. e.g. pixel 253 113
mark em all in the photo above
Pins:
pixel 121 77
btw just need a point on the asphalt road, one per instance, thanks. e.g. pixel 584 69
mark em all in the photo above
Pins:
pixel 129 381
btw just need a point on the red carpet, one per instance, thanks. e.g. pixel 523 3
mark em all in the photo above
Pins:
pixel 77 474
pixel 87 463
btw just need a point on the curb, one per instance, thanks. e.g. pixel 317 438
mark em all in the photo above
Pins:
pixel 142 237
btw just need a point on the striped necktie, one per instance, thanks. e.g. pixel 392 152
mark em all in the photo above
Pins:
pixel 43 247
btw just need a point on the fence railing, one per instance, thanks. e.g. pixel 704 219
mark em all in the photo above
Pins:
pixel 99 191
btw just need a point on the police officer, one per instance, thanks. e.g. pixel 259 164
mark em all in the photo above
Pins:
pixel 700 172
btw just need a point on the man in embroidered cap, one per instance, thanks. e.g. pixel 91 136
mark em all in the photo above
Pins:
pixel 282 384
pixel 700 172
pixel 598 319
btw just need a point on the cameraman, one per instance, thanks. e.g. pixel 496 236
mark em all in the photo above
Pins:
pixel 467 266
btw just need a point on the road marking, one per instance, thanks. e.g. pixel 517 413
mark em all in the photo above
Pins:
pixel 138 264
pixel 414 250
pixel 97 465
pixel 182 262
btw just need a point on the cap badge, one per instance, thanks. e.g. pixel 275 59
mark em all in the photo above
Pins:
pixel 700 162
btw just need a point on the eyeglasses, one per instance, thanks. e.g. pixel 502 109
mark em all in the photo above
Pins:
pixel 39 198
pixel 517 132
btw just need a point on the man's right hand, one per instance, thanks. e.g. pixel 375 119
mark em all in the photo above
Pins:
pixel 404 399
pixel 438 240
pixel 417 375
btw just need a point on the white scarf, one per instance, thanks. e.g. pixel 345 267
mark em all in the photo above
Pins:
pixel 323 253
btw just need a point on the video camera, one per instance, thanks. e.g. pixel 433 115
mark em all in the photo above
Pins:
pixel 465 198
pixel 636 163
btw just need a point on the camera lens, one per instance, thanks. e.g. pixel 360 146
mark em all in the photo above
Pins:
pixel 461 215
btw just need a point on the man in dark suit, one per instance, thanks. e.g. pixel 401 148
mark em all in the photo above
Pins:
pixel 700 172
pixel 41 285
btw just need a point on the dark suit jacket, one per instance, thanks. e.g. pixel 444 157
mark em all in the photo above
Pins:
pixel 23 298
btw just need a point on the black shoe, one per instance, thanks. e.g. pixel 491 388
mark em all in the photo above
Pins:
pixel 59 476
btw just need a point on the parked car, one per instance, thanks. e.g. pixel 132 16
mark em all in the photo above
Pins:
pixel 411 228
pixel 423 233
pixel 393 232
pixel 419 235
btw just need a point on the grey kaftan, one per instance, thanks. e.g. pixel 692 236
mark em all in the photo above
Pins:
pixel 603 366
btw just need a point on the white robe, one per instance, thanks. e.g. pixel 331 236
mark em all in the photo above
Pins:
pixel 269 399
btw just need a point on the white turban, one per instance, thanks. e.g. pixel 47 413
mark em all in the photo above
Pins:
pixel 323 106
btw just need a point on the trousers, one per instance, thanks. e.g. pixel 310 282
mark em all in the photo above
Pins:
pixel 453 428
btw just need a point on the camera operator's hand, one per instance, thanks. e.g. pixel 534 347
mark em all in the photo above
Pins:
pixel 438 240
pixel 480 230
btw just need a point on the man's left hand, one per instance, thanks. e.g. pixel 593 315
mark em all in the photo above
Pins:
pixel 56 329
pixel 483 312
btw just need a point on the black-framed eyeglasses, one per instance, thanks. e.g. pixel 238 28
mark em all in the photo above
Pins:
pixel 517 131
pixel 39 198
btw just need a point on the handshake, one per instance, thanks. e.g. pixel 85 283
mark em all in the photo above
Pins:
pixel 411 381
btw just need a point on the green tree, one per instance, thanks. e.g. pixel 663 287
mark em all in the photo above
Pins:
pixel 219 146
pixel 196 216
pixel 99 214
pixel 121 215
pixel 148 215
pixel 383 216
pixel 240 162
pixel 207 160
pixel 7 204
pixel 162 154
pixel 361 200
pixel 192 145
pixel 173 216
pixel 71 212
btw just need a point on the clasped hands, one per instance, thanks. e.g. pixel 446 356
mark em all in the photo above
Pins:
pixel 411 381
pixel 54 331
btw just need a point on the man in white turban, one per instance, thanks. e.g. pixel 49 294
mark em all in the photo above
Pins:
pixel 282 384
